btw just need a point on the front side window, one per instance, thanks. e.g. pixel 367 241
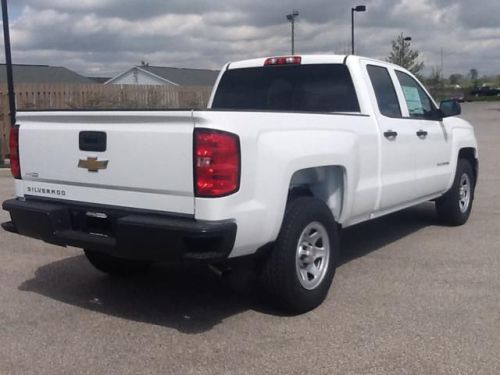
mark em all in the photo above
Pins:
pixel 385 92
pixel 302 88
pixel 419 103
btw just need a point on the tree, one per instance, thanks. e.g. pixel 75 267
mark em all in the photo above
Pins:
pixel 474 74
pixel 474 77
pixel 435 79
pixel 456 79
pixel 403 55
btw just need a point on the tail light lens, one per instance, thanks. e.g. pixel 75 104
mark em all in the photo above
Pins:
pixel 15 166
pixel 217 163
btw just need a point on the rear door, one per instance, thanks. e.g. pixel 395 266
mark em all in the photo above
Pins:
pixel 130 159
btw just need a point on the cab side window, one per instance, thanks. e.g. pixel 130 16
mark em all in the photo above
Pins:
pixel 385 92
pixel 419 103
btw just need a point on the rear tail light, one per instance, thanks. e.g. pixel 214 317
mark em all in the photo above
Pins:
pixel 15 166
pixel 285 60
pixel 217 163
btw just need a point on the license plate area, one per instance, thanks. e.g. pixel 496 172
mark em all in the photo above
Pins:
pixel 93 222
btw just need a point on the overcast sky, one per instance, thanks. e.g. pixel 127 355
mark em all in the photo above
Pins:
pixel 105 37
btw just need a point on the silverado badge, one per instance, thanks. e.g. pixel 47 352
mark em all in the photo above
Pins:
pixel 92 164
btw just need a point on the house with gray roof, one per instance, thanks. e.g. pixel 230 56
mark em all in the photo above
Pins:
pixel 100 80
pixel 42 74
pixel 160 75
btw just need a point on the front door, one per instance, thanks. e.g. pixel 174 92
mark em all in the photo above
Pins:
pixel 433 146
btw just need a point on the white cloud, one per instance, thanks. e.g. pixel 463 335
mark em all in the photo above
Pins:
pixel 103 37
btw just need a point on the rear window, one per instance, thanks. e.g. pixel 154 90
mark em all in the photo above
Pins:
pixel 385 92
pixel 302 88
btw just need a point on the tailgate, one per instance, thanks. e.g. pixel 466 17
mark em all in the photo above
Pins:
pixel 147 162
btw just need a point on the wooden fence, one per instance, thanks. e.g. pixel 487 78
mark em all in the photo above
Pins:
pixel 96 96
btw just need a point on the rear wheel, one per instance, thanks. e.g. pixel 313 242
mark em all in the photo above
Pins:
pixel 299 270
pixel 455 206
pixel 116 266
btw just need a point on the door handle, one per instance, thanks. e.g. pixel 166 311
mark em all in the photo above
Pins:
pixel 390 134
pixel 422 133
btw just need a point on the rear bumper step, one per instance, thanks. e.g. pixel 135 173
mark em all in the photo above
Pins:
pixel 121 233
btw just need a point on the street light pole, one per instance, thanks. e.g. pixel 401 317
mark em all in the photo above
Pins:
pixel 402 52
pixel 8 63
pixel 291 18
pixel 359 8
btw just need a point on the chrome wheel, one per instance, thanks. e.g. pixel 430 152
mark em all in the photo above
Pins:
pixel 464 193
pixel 313 253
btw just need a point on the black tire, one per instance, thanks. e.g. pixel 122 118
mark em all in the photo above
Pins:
pixel 116 266
pixel 450 208
pixel 280 271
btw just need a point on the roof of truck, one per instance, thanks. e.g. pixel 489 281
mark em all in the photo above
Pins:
pixel 305 59
pixel 308 59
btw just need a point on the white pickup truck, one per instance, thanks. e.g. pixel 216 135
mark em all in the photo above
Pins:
pixel 290 150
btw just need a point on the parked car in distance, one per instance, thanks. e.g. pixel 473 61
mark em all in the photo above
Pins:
pixel 485 91
pixel 457 96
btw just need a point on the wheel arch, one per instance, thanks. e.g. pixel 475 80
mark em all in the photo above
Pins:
pixel 464 146
pixel 326 183
pixel 470 154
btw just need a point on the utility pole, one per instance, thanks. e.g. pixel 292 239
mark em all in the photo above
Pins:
pixel 8 63
pixel 441 81
pixel 291 18
pixel 442 65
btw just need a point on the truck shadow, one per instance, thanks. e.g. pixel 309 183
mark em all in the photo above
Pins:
pixel 367 237
pixel 192 299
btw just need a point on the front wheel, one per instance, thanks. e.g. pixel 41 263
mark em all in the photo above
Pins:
pixel 115 266
pixel 455 206
pixel 300 268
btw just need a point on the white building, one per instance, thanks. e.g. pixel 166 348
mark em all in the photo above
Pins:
pixel 159 75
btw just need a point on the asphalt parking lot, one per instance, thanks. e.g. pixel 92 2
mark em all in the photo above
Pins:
pixel 411 297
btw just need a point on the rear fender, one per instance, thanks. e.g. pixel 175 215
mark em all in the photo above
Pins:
pixel 315 156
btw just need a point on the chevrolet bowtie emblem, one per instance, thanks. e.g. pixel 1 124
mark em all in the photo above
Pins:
pixel 92 164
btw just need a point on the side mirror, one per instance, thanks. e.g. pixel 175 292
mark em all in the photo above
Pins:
pixel 450 108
